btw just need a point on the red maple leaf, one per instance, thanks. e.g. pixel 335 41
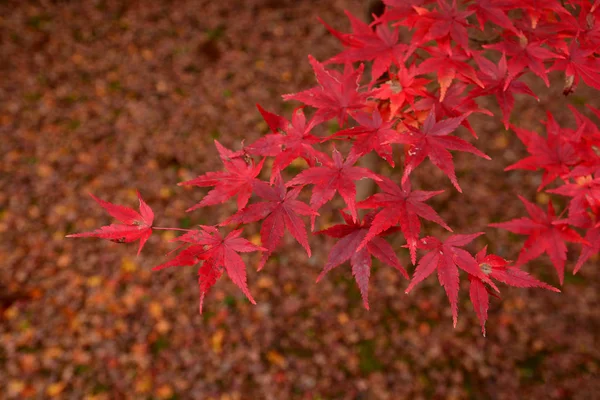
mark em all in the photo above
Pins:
pixel 497 268
pixel 336 95
pixel 347 248
pixel 372 133
pixel 432 141
pixel 448 64
pixel 491 11
pixel 237 179
pixel 365 44
pixel 585 192
pixel 447 257
pixel 402 88
pixel 218 254
pixel 281 209
pixel 555 154
pixel 494 80
pixel 536 9
pixel 401 206
pixel 134 225
pixel 524 53
pixel 454 105
pixel 578 63
pixel 439 25
pixel 547 234
pixel 288 140
pixel 336 175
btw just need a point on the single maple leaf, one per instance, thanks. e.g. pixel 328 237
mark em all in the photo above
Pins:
pixel 335 175
pixel 585 193
pixel 379 45
pixel 281 209
pixel 134 225
pixel 402 88
pixel 351 235
pixel 448 64
pixel 218 254
pixel 547 234
pixel 577 63
pixel 336 95
pixel 372 133
pixel 237 179
pixel 555 154
pixel 401 206
pixel 288 142
pixel 398 10
pixel 445 24
pixel 454 105
pixel 497 268
pixel 583 26
pixel 491 11
pixel 446 257
pixel 432 141
pixel 523 53
pixel 494 79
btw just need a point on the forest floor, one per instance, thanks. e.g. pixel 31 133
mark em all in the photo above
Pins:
pixel 112 96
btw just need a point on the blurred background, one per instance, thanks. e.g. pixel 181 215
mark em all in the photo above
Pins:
pixel 109 96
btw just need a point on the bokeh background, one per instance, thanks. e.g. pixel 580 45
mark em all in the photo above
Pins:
pixel 109 96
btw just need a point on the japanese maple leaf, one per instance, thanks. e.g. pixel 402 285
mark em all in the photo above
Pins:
pixel 524 53
pixel 397 10
pixel 351 234
pixel 578 63
pixel 446 257
pixel 134 225
pixel 497 268
pixel 402 88
pixel 336 175
pixel 288 140
pixel 584 27
pixel 454 105
pixel 442 25
pixel 372 133
pixel 279 210
pixel 491 11
pixel 448 64
pixel 365 44
pixel 401 206
pixel 555 154
pixel 585 193
pixel 592 247
pixel 536 9
pixel 336 95
pixel 432 141
pixel 217 254
pixel 547 234
pixel 237 179
pixel 494 79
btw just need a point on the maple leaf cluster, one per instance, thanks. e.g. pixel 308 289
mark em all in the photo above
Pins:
pixel 428 64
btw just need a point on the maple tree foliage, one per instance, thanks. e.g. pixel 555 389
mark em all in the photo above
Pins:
pixel 410 81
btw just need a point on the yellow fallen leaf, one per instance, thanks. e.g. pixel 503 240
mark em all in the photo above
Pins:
pixel 143 384
pixel 276 358
pixel 55 389
pixel 94 281
pixel 155 309
pixel 217 340
pixel 127 265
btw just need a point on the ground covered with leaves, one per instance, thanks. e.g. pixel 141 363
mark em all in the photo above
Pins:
pixel 110 96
